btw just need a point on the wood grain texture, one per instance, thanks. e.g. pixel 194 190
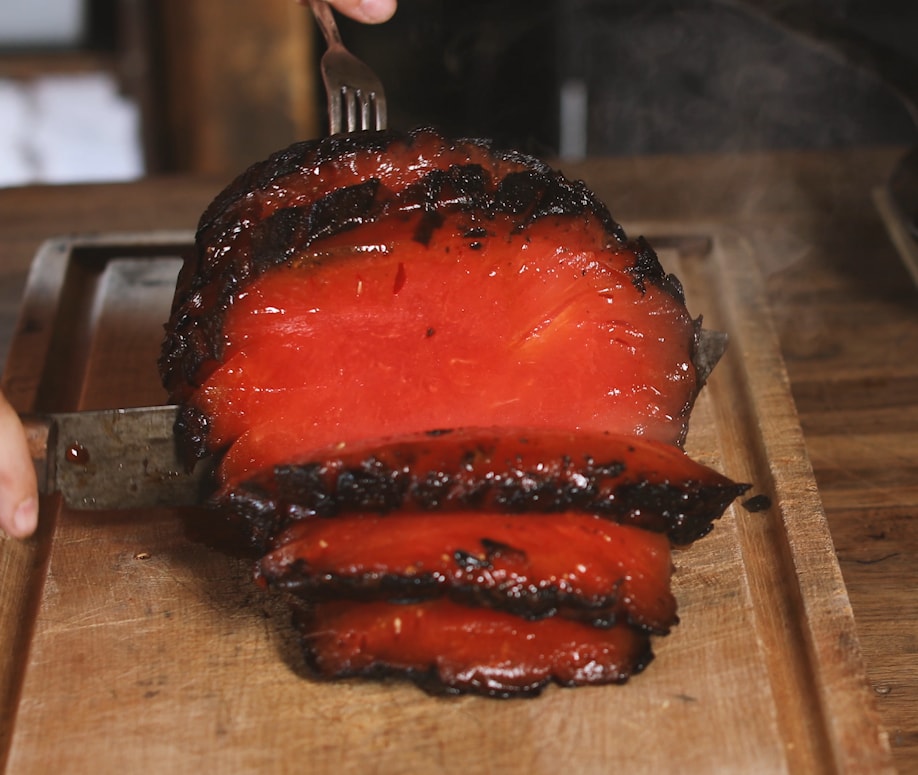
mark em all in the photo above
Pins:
pixel 846 312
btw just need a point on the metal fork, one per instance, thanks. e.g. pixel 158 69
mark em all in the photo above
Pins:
pixel 354 91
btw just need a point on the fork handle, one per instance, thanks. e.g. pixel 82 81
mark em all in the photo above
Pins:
pixel 326 21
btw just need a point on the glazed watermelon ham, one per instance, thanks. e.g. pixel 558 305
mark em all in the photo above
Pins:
pixel 574 565
pixel 436 376
pixel 625 479
pixel 449 648
pixel 441 285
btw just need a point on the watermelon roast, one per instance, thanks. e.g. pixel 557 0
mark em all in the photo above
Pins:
pixel 447 395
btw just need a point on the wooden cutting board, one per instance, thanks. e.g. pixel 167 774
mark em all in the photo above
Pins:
pixel 136 646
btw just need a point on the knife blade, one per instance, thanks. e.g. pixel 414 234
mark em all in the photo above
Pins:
pixel 114 459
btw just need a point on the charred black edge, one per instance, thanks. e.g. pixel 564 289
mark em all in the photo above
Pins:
pixel 290 160
pixel 533 602
pixel 707 350
pixel 309 154
pixel 683 510
pixel 429 680
pixel 548 192
pixel 648 269
pixel 191 428
pixel 663 502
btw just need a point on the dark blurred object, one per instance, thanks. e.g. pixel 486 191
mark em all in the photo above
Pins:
pixel 102 25
pixel 697 75
pixel 877 36
pixel 473 67
pixel 94 47
pixel 221 84
pixel 903 187
pixel 658 75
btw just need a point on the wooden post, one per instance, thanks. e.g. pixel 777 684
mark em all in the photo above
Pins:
pixel 228 81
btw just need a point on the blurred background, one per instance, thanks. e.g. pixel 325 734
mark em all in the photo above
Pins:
pixel 116 89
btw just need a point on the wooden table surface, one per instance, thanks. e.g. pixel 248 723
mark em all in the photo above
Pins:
pixel 845 306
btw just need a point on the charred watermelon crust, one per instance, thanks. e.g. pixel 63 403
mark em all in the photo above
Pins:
pixel 626 480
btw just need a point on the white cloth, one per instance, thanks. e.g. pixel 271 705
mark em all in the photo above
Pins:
pixel 67 129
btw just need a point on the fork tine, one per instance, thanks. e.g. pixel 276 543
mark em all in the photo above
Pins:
pixel 335 99
pixel 365 105
pixel 356 109
pixel 352 108
pixel 379 102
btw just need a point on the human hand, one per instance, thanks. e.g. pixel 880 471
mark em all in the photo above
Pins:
pixel 18 488
pixel 367 11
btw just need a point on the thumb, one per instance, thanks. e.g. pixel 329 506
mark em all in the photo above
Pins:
pixel 18 489
pixel 367 11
